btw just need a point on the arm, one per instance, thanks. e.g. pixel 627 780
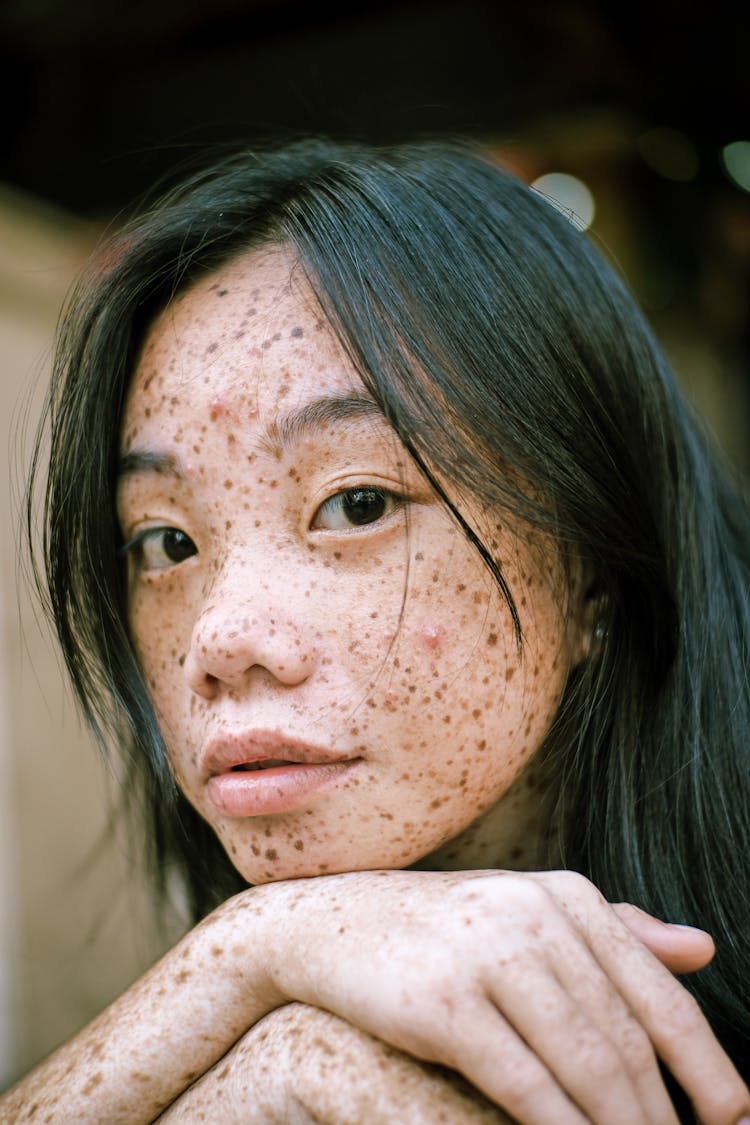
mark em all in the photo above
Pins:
pixel 458 969
pixel 300 1065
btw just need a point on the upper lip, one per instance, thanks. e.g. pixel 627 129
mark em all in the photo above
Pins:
pixel 229 748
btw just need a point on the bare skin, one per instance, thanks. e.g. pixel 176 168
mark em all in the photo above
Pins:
pixel 301 1066
pixel 290 618
pixel 441 966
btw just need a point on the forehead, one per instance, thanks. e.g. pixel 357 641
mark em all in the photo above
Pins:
pixel 247 337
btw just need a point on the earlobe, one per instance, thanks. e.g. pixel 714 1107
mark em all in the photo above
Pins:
pixel 587 614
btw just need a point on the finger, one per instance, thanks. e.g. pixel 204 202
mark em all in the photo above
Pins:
pixel 681 1035
pixel 491 1053
pixel 584 978
pixel 683 949
pixel 605 1064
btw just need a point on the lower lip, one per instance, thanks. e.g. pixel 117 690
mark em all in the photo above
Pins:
pixel 277 789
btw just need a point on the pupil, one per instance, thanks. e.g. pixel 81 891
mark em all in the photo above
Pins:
pixel 364 505
pixel 177 545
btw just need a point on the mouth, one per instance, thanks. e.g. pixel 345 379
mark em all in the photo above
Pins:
pixel 263 773
pixel 265 764
pixel 247 751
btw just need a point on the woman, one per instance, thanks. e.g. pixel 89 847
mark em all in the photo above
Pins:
pixel 380 537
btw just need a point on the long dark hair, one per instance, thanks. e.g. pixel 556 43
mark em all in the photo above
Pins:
pixel 514 364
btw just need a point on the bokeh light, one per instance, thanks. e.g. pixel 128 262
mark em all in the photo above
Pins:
pixel 736 160
pixel 669 153
pixel 570 195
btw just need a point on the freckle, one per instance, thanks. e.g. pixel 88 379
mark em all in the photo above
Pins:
pixel 181 661
pixel 492 639
pixel 216 951
pixel 212 347
pixel 183 976
pixel 221 292
pixel 228 484
pixel 255 849
pixel 271 854
pixel 297 332
pixel 482 744
pixel 92 1083
pixel 509 674
pixel 299 845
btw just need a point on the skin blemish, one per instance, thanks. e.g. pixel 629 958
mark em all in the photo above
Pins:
pixel 432 637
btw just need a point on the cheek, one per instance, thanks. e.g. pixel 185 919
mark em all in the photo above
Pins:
pixel 160 630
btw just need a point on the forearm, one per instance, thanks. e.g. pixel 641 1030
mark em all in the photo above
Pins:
pixel 300 1065
pixel 169 1028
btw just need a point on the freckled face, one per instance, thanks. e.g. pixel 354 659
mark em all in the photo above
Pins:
pixel 335 674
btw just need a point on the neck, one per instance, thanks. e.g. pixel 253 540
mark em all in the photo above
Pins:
pixel 518 833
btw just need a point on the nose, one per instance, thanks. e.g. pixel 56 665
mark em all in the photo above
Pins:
pixel 246 628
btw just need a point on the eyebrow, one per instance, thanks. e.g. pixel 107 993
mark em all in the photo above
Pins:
pixel 282 432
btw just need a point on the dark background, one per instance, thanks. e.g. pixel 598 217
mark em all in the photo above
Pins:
pixel 102 97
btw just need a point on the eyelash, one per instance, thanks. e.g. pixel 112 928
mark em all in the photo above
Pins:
pixel 358 495
pixel 139 545
pixel 155 538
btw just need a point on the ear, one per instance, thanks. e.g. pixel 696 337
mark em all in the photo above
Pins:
pixel 586 609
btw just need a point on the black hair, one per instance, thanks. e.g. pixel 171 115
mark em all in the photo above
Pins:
pixel 514 364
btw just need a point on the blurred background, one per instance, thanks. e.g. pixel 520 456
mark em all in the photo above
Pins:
pixel 633 116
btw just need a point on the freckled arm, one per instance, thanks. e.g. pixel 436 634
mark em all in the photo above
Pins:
pixel 165 1031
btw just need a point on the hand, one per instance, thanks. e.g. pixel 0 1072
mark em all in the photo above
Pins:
pixel 529 985
pixel 300 1066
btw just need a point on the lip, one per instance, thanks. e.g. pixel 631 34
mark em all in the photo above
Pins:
pixel 297 772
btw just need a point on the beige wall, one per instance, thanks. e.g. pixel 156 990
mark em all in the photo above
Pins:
pixel 73 928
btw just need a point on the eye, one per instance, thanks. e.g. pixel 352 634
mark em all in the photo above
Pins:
pixel 159 548
pixel 355 507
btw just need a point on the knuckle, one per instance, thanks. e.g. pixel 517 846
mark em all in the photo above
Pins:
pixel 523 1087
pixel 572 886
pixel 599 1057
pixel 638 1049
pixel 680 1015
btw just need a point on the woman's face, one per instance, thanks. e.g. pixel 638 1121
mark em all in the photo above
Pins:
pixel 335 673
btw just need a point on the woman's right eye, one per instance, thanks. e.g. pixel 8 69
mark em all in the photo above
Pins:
pixel 159 548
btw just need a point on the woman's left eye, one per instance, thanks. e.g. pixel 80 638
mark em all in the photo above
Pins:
pixel 355 507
